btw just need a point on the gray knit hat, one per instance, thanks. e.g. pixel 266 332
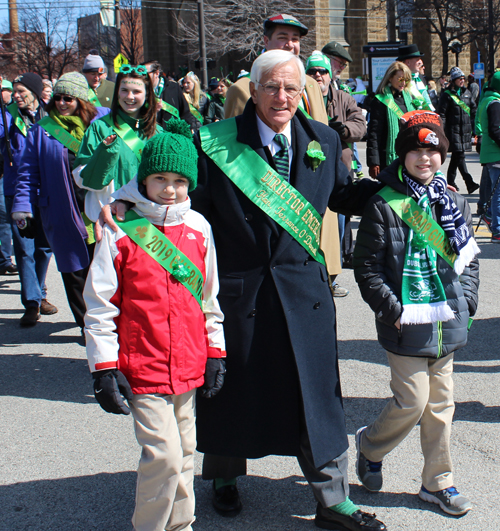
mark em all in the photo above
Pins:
pixel 93 63
pixel 73 84
pixel 456 73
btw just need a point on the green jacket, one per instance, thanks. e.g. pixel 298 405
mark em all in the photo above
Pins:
pixel 490 151
pixel 104 164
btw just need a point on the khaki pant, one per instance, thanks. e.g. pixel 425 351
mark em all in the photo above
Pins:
pixel 165 429
pixel 423 391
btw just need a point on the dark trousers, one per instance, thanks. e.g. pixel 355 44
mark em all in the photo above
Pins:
pixel 329 483
pixel 457 161
pixel 73 284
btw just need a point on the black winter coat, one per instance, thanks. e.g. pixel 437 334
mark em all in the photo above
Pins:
pixel 377 130
pixel 458 125
pixel 172 93
pixel 282 369
pixel 378 263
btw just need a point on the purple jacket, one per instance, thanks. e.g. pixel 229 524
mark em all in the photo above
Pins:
pixel 44 180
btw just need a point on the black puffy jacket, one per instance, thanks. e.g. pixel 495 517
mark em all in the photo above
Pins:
pixel 458 124
pixel 378 262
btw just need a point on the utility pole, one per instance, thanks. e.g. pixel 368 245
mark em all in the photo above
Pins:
pixel 203 48
pixel 117 24
pixel 491 47
pixel 391 20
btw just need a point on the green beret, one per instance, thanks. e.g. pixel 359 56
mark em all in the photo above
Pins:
pixel 334 48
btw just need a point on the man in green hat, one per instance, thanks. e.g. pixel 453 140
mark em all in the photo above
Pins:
pixel 7 90
pixel 281 32
pixel 339 58
pixel 410 55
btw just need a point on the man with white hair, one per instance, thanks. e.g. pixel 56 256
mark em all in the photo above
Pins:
pixel 265 180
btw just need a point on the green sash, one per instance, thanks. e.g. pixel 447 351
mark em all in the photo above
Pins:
pixel 164 252
pixel 60 134
pixel 196 113
pixel 14 112
pixel 127 134
pixel 262 185
pixel 169 108
pixel 421 223
pixel 388 100
pixel 93 98
pixel 458 101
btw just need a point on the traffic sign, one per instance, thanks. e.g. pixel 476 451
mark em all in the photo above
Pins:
pixel 119 61
pixel 479 70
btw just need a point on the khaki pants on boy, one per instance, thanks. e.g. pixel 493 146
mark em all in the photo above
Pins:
pixel 165 429
pixel 423 391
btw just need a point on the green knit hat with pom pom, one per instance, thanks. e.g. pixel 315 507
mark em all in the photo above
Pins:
pixel 172 151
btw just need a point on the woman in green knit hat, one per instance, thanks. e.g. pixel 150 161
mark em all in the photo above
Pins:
pixel 112 147
pixel 45 180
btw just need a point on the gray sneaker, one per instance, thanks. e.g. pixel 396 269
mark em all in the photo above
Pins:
pixel 450 500
pixel 369 472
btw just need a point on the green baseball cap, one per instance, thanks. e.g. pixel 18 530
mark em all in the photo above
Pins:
pixel 7 85
pixel 318 60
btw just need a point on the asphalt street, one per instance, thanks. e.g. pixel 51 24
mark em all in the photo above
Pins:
pixel 66 465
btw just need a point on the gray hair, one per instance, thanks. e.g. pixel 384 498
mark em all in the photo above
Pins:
pixel 270 60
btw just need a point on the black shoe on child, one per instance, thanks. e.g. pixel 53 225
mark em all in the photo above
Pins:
pixel 359 521
pixel 226 500
pixel 472 187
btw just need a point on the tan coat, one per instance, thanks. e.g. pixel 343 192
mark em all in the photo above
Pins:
pixel 236 98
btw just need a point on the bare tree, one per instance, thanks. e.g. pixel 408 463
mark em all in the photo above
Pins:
pixel 131 31
pixel 47 42
pixel 236 26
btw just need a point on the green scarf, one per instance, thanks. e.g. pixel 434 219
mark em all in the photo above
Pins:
pixel 73 124
pixel 393 122
pixel 422 292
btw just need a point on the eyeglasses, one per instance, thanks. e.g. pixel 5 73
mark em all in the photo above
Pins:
pixel 140 70
pixel 67 99
pixel 400 79
pixel 314 71
pixel 271 89
pixel 339 62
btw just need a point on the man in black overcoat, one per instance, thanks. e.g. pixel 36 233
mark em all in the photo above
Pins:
pixel 282 392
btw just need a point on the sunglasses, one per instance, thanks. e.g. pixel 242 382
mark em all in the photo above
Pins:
pixel 67 99
pixel 314 71
pixel 140 70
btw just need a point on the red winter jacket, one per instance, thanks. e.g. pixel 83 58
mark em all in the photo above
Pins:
pixel 140 319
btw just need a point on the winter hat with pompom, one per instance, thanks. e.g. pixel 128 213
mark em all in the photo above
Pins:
pixel 172 151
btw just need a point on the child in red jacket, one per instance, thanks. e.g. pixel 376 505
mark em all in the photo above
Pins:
pixel 154 326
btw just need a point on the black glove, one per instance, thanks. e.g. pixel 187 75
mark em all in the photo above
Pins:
pixel 215 371
pixel 108 388
pixel 478 144
pixel 27 228
pixel 337 126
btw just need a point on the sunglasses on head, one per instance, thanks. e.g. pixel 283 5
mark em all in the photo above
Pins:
pixel 314 71
pixel 67 99
pixel 140 70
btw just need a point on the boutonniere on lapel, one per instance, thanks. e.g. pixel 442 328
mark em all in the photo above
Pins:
pixel 315 154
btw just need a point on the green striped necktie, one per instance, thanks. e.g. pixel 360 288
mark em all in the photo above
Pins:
pixel 281 158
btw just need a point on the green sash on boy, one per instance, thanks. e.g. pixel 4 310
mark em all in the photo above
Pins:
pixel 169 108
pixel 127 134
pixel 458 101
pixel 263 186
pixel 164 252
pixel 420 222
pixel 60 134
pixel 14 112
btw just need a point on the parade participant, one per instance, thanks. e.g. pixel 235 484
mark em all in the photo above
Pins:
pixel 281 32
pixel 111 148
pixel 274 293
pixel 45 180
pixel 215 106
pixel 340 58
pixel 47 90
pixel 423 295
pixel 489 118
pixel 410 55
pixel 392 100
pixel 31 248
pixel 457 109
pixel 195 97
pixel 346 118
pixel 153 334
pixel 100 89
pixel 172 103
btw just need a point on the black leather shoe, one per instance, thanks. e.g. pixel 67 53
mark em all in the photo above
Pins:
pixel 30 317
pixel 472 187
pixel 226 500
pixel 9 270
pixel 358 521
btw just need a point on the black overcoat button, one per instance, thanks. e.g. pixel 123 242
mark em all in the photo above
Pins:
pixel 317 305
